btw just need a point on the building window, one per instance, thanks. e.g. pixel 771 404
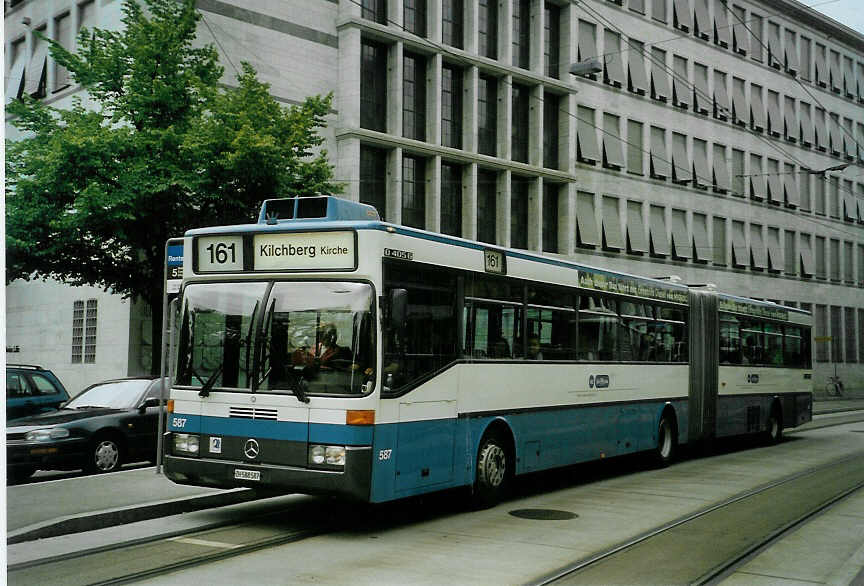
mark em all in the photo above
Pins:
pixel 552 53
pixel 487 31
pixel 550 131
pixel 848 264
pixel 851 342
pixel 658 10
pixel 487 208
pixel 738 172
pixel 634 148
pixel 550 217
pixel 451 199
pixel 757 38
pixel 373 86
pixel 413 192
pixel 16 71
pixel 519 212
pixel 519 136
pixel 373 174
pixel 834 251
pixel 451 106
pixel 414 97
pixel 487 115
pixel 37 71
pixel 521 33
pixel 63 33
pixel 451 21
pixel 790 264
pixel 374 10
pixel 821 273
pixel 84 322
pixel 415 17
pixel 719 241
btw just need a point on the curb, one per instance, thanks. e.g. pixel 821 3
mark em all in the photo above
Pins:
pixel 124 515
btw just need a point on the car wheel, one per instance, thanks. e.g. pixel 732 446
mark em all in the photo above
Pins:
pixel 106 455
pixel 493 471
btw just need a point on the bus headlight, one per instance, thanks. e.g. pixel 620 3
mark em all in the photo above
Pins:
pixel 186 443
pixel 326 456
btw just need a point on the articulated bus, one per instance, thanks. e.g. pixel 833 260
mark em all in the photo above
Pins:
pixel 324 351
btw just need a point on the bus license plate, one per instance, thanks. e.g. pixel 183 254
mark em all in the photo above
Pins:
pixel 247 474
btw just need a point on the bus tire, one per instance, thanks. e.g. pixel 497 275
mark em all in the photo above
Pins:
pixel 667 441
pixel 494 472
pixel 774 427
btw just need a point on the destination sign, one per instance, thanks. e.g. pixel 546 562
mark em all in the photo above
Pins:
pixel 625 286
pixel 304 251
pixel 733 306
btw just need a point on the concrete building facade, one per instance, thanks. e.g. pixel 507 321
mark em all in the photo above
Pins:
pixel 702 147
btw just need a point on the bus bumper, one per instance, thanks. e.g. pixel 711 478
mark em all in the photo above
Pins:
pixel 353 482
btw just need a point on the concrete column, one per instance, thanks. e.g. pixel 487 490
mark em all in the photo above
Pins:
pixel 433 98
pixel 469 201
pixel 469 110
pixel 505 116
pixel 395 13
pixel 567 219
pixel 535 215
pixel 395 78
pixel 348 166
pixel 433 20
pixel 535 126
pixel 536 59
pixel 433 193
pixel 567 138
pixel 505 32
pixel 394 186
pixel 569 37
pixel 502 206
pixel 472 12
pixel 348 94
pixel 349 9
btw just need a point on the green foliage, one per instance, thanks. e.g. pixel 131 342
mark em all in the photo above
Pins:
pixel 93 194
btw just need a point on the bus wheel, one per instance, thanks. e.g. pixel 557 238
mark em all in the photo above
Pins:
pixel 774 429
pixel 493 471
pixel 667 444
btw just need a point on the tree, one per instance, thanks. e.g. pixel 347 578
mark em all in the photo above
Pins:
pixel 92 194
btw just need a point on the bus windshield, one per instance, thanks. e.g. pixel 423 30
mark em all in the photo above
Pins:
pixel 310 337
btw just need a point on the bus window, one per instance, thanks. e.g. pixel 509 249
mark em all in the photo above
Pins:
pixel 752 342
pixel 493 330
pixel 730 340
pixel 635 340
pixel 670 333
pixel 598 325
pixel 551 324
pixel 792 347
pixel 429 338
pixel 773 344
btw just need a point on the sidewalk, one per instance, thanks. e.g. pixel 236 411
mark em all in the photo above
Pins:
pixel 851 400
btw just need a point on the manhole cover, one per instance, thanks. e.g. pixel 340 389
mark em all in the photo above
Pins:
pixel 543 514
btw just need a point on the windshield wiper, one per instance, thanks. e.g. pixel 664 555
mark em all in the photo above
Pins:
pixel 211 382
pixel 91 407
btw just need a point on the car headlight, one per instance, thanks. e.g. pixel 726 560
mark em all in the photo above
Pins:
pixel 46 435
pixel 186 443
pixel 326 456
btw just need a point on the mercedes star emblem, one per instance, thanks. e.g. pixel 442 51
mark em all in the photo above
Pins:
pixel 251 449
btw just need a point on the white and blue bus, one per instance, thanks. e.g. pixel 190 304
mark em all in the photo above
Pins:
pixel 324 351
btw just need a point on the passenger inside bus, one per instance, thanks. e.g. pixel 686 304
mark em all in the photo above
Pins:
pixel 534 351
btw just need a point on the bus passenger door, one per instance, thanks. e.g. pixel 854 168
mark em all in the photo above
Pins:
pixel 424 445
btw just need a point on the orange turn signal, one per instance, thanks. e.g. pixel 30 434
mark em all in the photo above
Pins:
pixel 360 417
pixel 169 406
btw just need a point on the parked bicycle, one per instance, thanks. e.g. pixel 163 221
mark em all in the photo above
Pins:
pixel 834 386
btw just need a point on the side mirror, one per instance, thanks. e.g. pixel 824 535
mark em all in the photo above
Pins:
pixel 398 302
pixel 149 402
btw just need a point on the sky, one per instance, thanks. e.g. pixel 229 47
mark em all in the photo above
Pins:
pixel 848 12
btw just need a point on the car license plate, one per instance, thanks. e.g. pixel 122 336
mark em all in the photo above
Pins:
pixel 247 474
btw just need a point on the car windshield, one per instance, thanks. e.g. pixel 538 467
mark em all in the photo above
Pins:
pixel 122 394
pixel 314 337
